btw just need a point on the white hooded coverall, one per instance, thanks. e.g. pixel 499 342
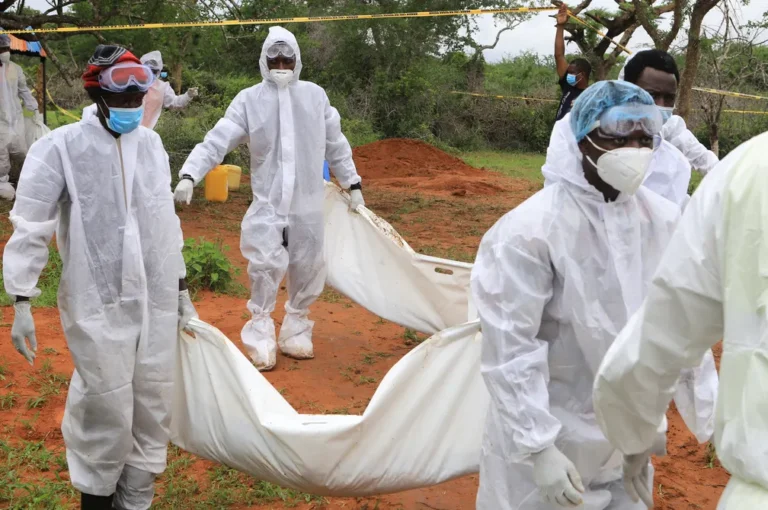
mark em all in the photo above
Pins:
pixel 554 282
pixel 668 175
pixel 160 95
pixel 677 133
pixel 13 86
pixel 711 284
pixel 290 131
pixel 110 202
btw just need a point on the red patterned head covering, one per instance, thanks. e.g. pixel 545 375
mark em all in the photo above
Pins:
pixel 105 56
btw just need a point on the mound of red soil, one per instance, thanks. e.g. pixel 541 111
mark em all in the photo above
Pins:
pixel 418 166
pixel 398 158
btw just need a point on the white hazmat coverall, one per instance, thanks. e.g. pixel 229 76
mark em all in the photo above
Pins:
pixel 13 86
pixel 290 131
pixel 668 175
pixel 160 95
pixel 711 284
pixel 677 133
pixel 110 202
pixel 554 282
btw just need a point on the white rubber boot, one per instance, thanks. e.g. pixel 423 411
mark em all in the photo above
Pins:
pixel 135 489
pixel 258 336
pixel 296 336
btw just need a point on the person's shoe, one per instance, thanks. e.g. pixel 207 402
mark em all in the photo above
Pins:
pixel 296 337
pixel 91 502
pixel 258 336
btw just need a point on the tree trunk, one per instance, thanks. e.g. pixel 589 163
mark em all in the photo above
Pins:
pixel 692 55
pixel 176 75
pixel 714 139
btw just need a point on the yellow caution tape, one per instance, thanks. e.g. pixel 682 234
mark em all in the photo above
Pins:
pixel 728 93
pixel 700 89
pixel 475 94
pixel 751 112
pixel 62 110
pixel 523 98
pixel 282 21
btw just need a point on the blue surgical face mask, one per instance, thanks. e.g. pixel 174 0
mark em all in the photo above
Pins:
pixel 571 79
pixel 124 120
pixel 666 112
pixel 163 75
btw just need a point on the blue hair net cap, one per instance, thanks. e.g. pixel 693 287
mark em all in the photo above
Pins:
pixel 598 98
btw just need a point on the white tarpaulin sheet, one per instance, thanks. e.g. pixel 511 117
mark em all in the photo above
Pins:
pixel 372 265
pixel 423 425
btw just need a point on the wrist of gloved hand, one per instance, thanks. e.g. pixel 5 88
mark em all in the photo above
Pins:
pixel 557 478
pixel 187 310
pixel 638 481
pixel 184 190
pixel 356 199
pixel 23 329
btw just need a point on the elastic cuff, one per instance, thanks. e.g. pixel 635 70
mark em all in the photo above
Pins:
pixel 357 186
pixel 189 178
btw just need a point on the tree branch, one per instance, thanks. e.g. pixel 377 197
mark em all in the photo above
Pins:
pixel 6 4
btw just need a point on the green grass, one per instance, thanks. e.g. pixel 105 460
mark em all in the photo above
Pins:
pixel 20 489
pixel 48 283
pixel 519 165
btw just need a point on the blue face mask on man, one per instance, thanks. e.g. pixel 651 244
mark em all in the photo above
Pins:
pixel 163 75
pixel 571 79
pixel 124 120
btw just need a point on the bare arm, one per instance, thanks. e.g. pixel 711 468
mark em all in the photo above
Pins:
pixel 562 18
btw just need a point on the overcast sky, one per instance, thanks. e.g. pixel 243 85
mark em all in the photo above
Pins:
pixel 537 34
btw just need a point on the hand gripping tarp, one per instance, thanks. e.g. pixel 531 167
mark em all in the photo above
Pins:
pixel 423 425
pixel 371 264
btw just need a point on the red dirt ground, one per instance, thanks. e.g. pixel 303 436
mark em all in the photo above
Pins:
pixel 417 166
pixel 352 346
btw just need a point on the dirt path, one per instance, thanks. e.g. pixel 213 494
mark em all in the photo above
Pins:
pixel 354 349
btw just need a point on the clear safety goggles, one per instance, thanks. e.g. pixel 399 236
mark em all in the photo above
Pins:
pixel 121 77
pixel 154 65
pixel 621 121
pixel 280 48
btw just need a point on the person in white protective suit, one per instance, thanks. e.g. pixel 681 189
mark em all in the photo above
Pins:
pixel 291 128
pixel 710 285
pixel 554 282
pixel 655 71
pixel 668 174
pixel 104 186
pixel 161 94
pixel 13 86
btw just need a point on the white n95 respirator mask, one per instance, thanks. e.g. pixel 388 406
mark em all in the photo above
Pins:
pixel 282 77
pixel 623 169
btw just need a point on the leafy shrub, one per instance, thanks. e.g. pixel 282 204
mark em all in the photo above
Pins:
pixel 207 266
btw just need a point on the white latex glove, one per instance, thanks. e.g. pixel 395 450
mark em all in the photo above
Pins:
pixel 637 472
pixel 39 118
pixel 184 190
pixel 23 329
pixel 355 199
pixel 187 310
pixel 6 191
pixel 557 478
pixel 193 92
